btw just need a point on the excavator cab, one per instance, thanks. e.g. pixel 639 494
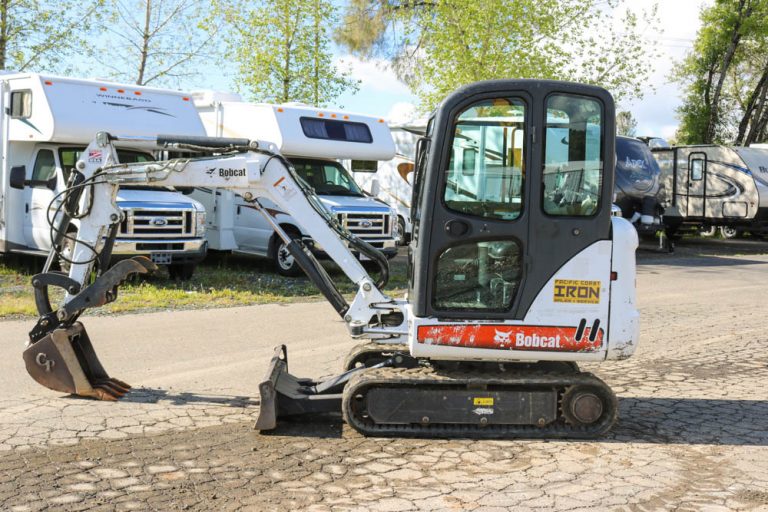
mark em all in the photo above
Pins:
pixel 513 180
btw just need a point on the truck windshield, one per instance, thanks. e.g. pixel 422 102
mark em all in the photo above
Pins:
pixel 69 157
pixel 326 178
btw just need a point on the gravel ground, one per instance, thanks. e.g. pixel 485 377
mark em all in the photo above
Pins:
pixel 692 434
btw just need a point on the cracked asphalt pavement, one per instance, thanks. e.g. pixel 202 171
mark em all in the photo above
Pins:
pixel 692 433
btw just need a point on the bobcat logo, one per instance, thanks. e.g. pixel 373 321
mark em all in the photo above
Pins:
pixel 502 338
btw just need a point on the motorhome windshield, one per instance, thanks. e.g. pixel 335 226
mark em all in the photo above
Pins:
pixel 327 178
pixel 70 156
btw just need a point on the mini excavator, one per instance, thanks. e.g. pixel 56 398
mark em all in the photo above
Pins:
pixel 517 271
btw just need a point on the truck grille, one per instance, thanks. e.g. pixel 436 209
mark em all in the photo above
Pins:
pixel 366 225
pixel 140 223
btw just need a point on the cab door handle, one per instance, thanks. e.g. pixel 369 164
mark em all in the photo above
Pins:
pixel 457 228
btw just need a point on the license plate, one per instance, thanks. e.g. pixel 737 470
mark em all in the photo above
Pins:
pixel 161 258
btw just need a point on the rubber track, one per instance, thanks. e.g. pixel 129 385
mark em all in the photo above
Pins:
pixel 403 377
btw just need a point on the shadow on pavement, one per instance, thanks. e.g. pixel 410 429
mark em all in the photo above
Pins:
pixel 692 421
pixel 154 395
pixel 698 261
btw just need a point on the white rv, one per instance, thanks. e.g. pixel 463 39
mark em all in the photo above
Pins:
pixel 391 181
pixel 46 123
pixel 314 140
pixel 709 185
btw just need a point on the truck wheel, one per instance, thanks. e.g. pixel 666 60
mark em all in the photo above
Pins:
pixel 285 264
pixel 708 231
pixel 729 232
pixel 181 271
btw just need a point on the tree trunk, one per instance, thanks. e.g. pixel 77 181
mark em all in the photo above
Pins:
pixel 733 45
pixel 316 51
pixel 145 43
pixel 751 112
pixel 4 6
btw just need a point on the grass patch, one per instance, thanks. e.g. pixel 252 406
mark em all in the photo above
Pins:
pixel 220 281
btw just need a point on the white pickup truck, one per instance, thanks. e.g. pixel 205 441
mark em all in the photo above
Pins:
pixel 314 140
pixel 45 124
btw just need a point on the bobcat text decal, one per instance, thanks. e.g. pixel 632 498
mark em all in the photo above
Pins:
pixel 509 337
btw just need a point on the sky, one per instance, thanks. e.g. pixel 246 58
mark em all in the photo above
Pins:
pixel 382 94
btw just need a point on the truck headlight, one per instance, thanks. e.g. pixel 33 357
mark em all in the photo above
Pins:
pixel 200 224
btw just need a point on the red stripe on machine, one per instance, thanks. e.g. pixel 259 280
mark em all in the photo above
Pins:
pixel 509 337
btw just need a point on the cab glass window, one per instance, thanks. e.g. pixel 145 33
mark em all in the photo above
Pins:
pixel 478 276
pixel 45 166
pixel 573 156
pixel 484 177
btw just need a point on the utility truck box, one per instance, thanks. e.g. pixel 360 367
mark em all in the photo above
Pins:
pixel 45 125
pixel 315 141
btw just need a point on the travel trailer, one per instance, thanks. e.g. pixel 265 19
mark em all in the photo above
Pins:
pixel 391 180
pixel 47 122
pixel 636 186
pixel 714 186
pixel 314 140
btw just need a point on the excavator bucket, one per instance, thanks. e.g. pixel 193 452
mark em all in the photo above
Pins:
pixel 65 361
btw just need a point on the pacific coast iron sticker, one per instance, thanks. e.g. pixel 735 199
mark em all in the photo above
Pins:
pixel 507 337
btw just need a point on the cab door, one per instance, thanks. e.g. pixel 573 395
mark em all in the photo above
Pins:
pixel 518 181
pixel 43 187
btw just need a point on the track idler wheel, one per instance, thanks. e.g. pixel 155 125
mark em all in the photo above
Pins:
pixel 64 361
pixel 584 405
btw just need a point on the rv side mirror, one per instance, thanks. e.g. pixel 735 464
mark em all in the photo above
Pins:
pixel 18 177
pixel 375 187
pixel 51 183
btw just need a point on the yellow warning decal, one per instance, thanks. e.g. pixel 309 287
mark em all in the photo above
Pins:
pixel 483 400
pixel 578 292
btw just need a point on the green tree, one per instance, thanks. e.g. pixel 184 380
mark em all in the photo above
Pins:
pixel 438 45
pixel 143 43
pixel 626 124
pixel 725 75
pixel 283 50
pixel 43 35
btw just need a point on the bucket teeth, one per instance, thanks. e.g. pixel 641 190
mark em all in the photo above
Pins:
pixel 65 361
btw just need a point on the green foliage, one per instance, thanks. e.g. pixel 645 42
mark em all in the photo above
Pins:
pixel 43 35
pixel 438 45
pixel 282 49
pixel 626 124
pixel 725 75
pixel 157 42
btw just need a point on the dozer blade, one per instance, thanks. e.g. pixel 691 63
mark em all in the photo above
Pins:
pixel 282 394
pixel 64 361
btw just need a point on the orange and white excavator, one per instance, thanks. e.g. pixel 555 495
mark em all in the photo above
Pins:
pixel 517 270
